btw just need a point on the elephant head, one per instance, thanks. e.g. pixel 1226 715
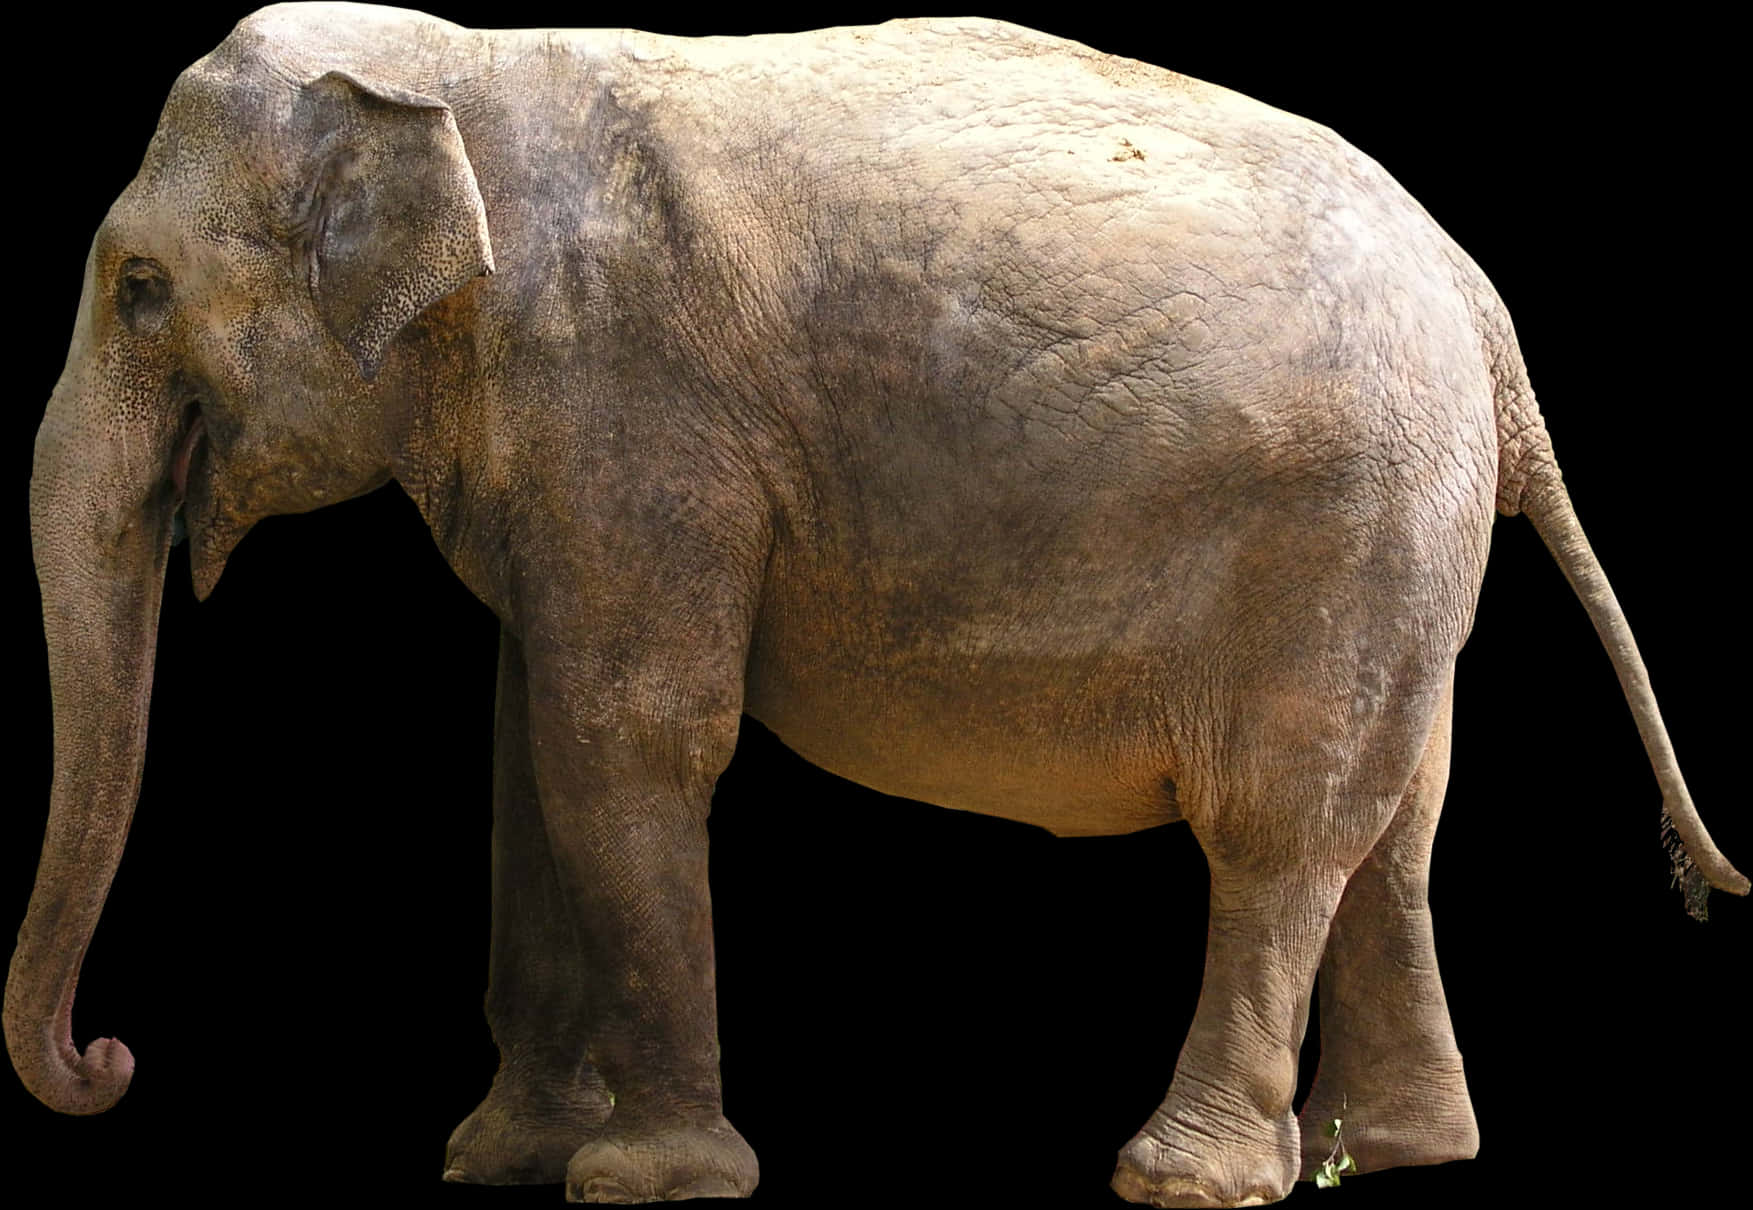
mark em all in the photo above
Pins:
pixel 236 355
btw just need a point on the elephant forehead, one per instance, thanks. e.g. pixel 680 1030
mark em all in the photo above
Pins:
pixel 216 165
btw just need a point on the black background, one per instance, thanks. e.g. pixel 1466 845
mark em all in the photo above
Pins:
pixel 918 1003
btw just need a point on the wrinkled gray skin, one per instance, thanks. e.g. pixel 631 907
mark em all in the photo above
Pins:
pixel 1005 425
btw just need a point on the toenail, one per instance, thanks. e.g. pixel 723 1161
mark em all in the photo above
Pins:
pixel 602 1189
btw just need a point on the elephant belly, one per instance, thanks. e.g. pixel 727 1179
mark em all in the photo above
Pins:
pixel 991 744
pixel 1049 699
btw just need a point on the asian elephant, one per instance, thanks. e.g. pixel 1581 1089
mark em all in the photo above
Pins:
pixel 1005 425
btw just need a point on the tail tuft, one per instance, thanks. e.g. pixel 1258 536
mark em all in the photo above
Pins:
pixel 1694 887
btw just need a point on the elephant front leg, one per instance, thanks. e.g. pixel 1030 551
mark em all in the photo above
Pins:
pixel 1389 1069
pixel 547 1099
pixel 627 749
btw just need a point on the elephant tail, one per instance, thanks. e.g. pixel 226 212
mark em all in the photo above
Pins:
pixel 1529 483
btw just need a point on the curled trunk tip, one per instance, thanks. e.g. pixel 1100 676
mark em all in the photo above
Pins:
pixel 51 1067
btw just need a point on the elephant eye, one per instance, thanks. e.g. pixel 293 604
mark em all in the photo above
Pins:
pixel 143 296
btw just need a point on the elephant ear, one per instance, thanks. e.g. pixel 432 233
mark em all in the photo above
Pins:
pixel 390 219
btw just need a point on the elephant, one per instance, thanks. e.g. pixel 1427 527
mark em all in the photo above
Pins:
pixel 933 475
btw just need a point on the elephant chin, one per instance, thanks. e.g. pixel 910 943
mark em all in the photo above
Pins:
pixel 212 534
pixel 206 562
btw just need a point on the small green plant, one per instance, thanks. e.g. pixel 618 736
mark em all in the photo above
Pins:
pixel 1338 1160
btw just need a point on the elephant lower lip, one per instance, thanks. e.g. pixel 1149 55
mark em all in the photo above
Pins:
pixel 179 467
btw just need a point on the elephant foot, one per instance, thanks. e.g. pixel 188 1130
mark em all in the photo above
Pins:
pixel 1167 1164
pixel 663 1165
pixel 519 1136
pixel 1409 1124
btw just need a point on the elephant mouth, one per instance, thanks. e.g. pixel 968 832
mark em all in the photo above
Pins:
pixel 179 466
pixel 179 476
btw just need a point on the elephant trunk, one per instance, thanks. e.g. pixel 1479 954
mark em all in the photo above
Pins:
pixel 101 506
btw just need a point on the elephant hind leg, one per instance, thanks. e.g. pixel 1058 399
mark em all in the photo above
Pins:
pixel 1389 1067
pixel 1315 765
pixel 1225 1135
pixel 1309 789
pixel 546 1100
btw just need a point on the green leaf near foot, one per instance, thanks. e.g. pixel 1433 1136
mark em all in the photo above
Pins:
pixel 1338 1161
